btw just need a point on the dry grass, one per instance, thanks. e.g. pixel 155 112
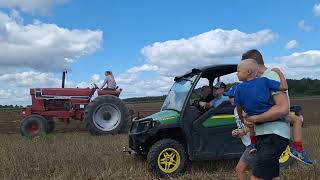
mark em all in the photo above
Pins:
pixel 82 156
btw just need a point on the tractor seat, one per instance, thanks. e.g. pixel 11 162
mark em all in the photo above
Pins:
pixel 114 92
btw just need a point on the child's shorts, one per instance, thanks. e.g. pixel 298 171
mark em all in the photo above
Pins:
pixel 248 158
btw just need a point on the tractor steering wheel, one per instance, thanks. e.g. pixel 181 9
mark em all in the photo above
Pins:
pixel 95 86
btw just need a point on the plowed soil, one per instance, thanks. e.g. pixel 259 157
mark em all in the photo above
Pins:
pixel 10 118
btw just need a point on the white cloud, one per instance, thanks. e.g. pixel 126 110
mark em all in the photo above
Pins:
pixel 43 46
pixel 300 64
pixel 43 7
pixel 292 44
pixel 316 9
pixel 95 78
pixel 151 86
pixel 307 59
pixel 176 56
pixel 303 27
pixel 15 96
pixel 29 79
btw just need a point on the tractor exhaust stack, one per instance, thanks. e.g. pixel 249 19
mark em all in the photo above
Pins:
pixel 63 78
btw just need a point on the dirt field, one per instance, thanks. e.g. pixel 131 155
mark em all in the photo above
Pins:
pixel 78 155
pixel 10 119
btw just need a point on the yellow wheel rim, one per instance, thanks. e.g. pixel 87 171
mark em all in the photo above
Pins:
pixel 169 160
pixel 285 155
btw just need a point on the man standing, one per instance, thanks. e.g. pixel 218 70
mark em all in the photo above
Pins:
pixel 272 136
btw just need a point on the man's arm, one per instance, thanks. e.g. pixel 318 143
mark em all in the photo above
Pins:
pixel 279 110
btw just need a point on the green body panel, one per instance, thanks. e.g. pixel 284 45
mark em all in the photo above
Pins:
pixel 219 120
pixel 165 116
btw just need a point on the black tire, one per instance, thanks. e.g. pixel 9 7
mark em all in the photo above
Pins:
pixel 285 160
pixel 33 125
pixel 158 150
pixel 106 115
pixel 50 126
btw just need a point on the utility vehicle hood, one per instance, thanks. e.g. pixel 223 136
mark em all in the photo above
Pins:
pixel 165 116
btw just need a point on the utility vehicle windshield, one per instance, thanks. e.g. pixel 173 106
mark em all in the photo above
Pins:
pixel 178 93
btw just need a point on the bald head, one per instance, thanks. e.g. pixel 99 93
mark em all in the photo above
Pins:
pixel 247 69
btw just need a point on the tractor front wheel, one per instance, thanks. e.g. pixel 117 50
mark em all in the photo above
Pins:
pixel 106 114
pixel 33 125
pixel 50 126
pixel 167 157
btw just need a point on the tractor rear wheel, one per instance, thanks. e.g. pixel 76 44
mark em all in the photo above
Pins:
pixel 33 125
pixel 106 115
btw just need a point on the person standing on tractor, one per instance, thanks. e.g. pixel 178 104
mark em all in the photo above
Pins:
pixel 279 100
pixel 109 81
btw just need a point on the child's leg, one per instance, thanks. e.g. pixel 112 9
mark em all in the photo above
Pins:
pixel 298 151
pixel 253 141
pixel 296 131
pixel 252 135
pixel 241 170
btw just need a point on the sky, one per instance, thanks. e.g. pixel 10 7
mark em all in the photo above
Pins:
pixel 146 43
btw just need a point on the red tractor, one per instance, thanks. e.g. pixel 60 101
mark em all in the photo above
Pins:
pixel 104 114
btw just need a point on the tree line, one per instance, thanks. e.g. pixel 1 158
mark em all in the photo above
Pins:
pixel 10 106
pixel 302 87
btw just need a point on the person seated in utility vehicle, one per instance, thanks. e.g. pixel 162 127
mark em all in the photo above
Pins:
pixel 219 99
pixel 205 96
pixel 109 81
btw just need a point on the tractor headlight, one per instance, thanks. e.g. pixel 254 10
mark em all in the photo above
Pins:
pixel 154 124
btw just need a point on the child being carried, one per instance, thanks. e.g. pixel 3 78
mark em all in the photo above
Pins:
pixel 253 96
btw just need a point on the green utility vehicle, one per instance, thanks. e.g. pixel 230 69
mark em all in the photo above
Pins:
pixel 181 132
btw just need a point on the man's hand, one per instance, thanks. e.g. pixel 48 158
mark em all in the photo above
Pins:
pixel 248 121
pixel 277 70
pixel 202 104
pixel 205 105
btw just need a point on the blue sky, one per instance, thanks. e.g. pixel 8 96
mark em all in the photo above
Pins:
pixel 140 41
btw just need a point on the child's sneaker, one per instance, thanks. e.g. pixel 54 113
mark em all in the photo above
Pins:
pixel 253 148
pixel 300 156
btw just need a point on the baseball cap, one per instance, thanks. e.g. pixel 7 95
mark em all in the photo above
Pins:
pixel 231 91
pixel 220 85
